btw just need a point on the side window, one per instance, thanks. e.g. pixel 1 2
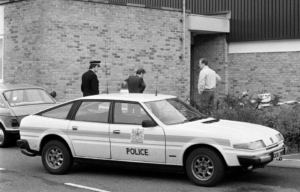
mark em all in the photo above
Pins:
pixel 93 111
pixel 129 113
pixel 59 112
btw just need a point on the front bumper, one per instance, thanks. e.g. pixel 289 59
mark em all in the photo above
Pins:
pixel 262 160
pixel 25 148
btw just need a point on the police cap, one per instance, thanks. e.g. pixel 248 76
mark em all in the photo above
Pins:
pixel 95 62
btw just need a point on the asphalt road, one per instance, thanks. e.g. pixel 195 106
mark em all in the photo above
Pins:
pixel 19 173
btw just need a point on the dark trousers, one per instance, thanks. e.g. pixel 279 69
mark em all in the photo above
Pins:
pixel 207 101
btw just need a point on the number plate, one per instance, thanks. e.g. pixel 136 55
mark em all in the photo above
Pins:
pixel 278 154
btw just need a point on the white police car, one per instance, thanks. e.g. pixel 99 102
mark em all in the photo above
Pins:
pixel 148 129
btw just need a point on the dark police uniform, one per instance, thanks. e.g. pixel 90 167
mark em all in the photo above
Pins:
pixel 90 83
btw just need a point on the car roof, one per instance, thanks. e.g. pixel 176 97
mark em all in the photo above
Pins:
pixel 6 86
pixel 130 97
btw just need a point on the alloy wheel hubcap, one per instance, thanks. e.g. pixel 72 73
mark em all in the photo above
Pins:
pixel 54 158
pixel 203 167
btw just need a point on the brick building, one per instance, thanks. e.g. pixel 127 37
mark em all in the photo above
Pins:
pixel 50 43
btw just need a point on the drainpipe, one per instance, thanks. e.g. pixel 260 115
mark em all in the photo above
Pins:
pixel 183 43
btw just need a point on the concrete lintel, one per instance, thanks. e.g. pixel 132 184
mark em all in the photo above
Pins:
pixel 203 24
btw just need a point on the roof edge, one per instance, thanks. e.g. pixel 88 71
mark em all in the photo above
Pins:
pixel 9 1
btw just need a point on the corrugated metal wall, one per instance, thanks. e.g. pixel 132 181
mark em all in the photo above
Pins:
pixel 250 19
pixel 177 4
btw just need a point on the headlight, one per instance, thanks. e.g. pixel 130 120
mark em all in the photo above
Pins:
pixel 280 137
pixel 251 145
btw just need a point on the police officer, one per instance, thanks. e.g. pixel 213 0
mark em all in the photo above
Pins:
pixel 90 83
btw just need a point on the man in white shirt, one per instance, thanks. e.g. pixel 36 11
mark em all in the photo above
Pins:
pixel 207 82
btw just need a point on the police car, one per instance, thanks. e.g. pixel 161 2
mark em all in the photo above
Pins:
pixel 146 129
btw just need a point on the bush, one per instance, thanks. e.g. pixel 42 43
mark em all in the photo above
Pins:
pixel 285 118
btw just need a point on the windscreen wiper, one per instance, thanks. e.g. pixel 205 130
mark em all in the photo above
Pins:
pixel 193 119
pixel 211 121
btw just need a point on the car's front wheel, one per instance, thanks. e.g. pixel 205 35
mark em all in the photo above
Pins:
pixel 56 157
pixel 205 167
pixel 4 137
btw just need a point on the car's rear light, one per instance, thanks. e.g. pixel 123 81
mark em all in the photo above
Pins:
pixel 15 123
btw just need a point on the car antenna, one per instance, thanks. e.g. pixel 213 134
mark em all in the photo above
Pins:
pixel 156 83
pixel 105 66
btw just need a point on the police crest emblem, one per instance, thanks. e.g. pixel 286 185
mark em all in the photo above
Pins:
pixel 137 135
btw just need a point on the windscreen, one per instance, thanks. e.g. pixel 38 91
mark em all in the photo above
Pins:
pixel 173 111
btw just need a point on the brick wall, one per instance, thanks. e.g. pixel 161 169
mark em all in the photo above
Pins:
pixel 276 73
pixel 22 42
pixel 50 43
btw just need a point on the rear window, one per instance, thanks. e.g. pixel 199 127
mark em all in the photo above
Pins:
pixel 60 112
pixel 28 97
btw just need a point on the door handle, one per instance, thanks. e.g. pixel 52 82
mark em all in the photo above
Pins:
pixel 116 131
pixel 75 128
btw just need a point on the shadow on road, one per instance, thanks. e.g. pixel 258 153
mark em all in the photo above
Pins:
pixel 145 174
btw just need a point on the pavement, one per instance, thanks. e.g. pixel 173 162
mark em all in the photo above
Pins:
pixel 289 161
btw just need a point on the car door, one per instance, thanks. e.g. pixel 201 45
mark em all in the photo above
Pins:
pixel 132 142
pixel 89 129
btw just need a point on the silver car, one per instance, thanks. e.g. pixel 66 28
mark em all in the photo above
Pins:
pixel 16 102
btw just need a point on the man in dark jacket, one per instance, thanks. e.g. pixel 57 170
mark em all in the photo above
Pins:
pixel 90 83
pixel 136 82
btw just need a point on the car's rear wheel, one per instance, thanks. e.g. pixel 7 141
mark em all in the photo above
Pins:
pixel 205 167
pixel 56 157
pixel 4 137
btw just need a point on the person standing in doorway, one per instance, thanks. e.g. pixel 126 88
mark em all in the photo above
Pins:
pixel 207 82
pixel 90 83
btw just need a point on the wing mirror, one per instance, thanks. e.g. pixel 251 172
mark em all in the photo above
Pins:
pixel 53 94
pixel 148 123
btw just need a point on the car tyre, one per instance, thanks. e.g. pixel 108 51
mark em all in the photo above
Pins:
pixel 4 137
pixel 205 167
pixel 56 157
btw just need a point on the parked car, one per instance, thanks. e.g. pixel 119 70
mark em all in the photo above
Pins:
pixel 146 129
pixel 16 102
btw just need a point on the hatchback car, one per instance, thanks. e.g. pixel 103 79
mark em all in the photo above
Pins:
pixel 146 129
pixel 16 102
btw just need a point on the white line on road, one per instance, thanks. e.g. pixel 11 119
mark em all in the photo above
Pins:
pixel 84 187
pixel 1 169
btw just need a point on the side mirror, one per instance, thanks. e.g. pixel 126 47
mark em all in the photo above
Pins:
pixel 148 123
pixel 53 94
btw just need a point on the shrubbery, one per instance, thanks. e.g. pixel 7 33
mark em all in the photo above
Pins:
pixel 284 118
